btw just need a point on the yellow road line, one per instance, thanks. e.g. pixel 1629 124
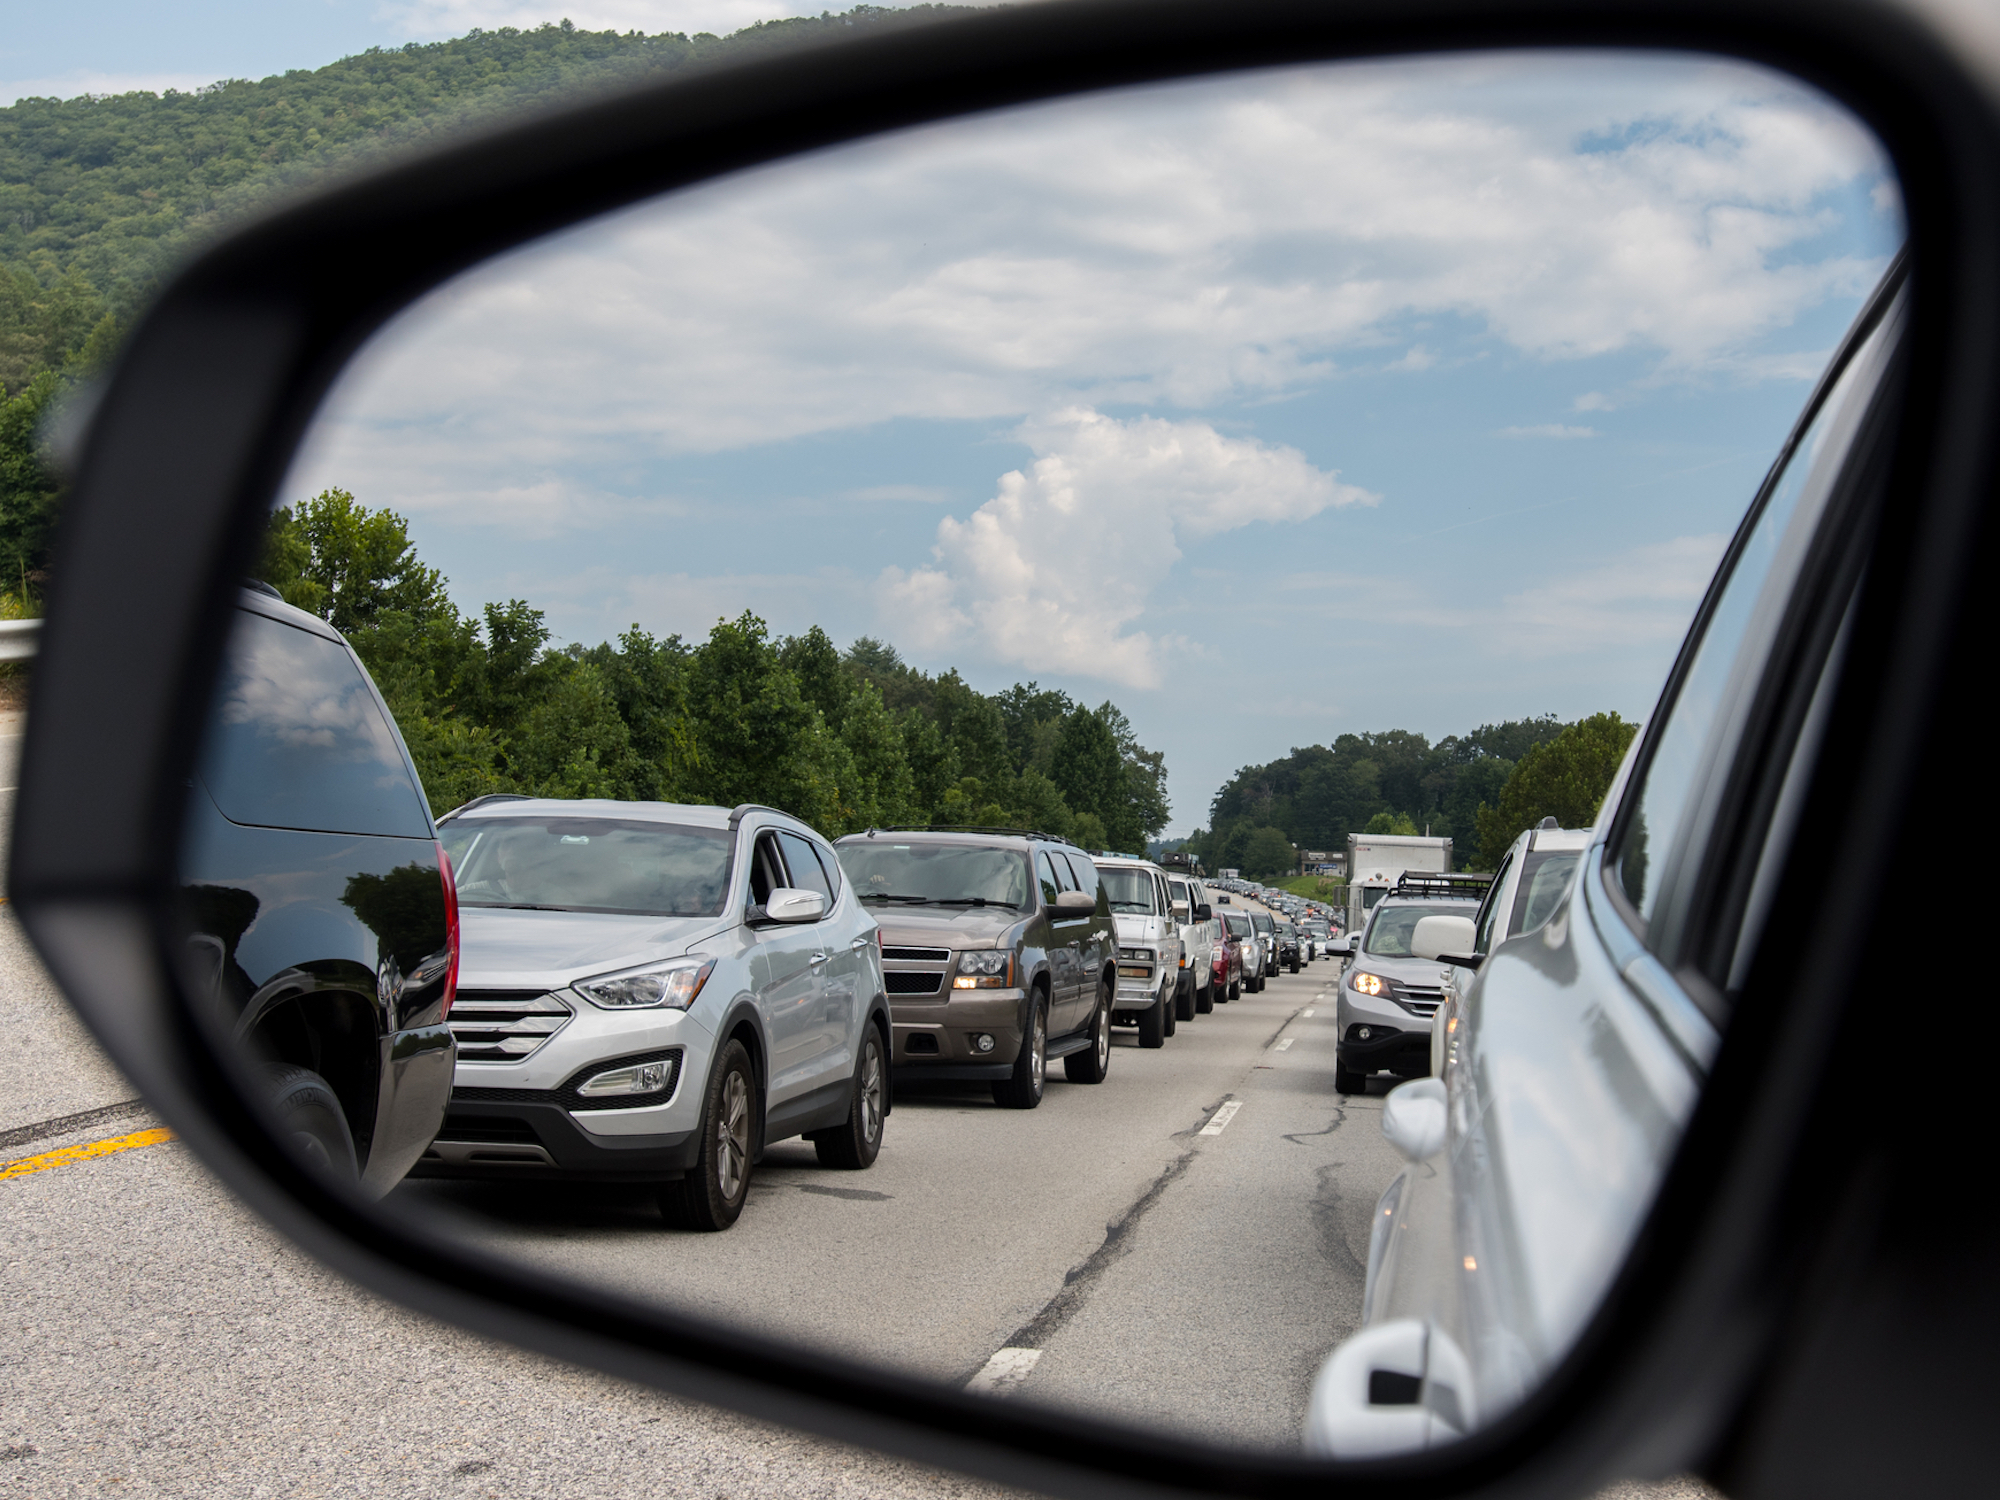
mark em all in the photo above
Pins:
pixel 53 1159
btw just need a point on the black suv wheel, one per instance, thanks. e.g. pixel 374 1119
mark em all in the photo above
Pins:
pixel 855 1144
pixel 1024 1089
pixel 1094 1062
pixel 712 1194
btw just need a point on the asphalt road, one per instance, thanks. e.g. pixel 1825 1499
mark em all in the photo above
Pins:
pixel 1138 1257
pixel 157 1340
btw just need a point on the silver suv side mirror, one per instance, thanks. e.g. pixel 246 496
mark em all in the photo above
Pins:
pixel 790 905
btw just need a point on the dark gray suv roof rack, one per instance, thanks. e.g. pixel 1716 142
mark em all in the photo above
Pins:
pixel 1471 884
pixel 1017 833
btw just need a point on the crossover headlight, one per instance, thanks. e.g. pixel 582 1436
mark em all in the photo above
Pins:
pixel 673 985
pixel 984 969
pixel 1365 983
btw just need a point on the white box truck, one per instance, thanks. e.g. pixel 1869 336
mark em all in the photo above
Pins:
pixel 1376 861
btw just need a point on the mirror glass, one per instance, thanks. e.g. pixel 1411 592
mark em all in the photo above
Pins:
pixel 741 698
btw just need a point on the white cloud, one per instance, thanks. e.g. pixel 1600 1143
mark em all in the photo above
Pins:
pixel 1593 401
pixel 1418 358
pixel 1547 430
pixel 1220 241
pixel 1050 574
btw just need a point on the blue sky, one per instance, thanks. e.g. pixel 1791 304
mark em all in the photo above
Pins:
pixel 1273 407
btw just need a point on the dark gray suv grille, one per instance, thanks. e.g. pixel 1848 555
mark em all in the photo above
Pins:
pixel 912 984
pixel 917 955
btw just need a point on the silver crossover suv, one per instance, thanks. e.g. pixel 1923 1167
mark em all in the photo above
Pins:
pixel 1387 993
pixel 655 992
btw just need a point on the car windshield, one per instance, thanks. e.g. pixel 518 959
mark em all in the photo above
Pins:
pixel 1316 929
pixel 1127 889
pixel 1239 926
pixel 1544 877
pixel 617 865
pixel 936 874
pixel 1261 922
pixel 1394 926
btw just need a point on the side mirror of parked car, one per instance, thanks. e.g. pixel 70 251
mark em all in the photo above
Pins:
pixel 789 905
pixel 1437 936
pixel 1075 901
pixel 1204 912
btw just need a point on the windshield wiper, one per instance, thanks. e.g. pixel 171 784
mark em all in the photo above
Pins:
pixel 893 896
pixel 973 901
pixel 517 906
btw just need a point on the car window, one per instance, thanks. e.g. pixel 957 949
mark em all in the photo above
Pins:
pixel 806 875
pixel 917 873
pixel 1047 875
pixel 1178 891
pixel 765 876
pixel 298 739
pixel 1390 933
pixel 1084 872
pixel 1129 890
pixel 1489 907
pixel 1545 875
pixel 589 865
pixel 1717 685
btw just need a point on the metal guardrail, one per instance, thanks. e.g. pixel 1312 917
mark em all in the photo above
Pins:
pixel 20 639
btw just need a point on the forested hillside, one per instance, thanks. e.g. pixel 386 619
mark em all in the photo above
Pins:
pixel 844 740
pixel 100 196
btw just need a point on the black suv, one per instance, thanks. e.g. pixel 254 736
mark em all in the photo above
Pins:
pixel 322 926
pixel 998 952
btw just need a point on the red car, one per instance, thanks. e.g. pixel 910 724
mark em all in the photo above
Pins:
pixel 1226 976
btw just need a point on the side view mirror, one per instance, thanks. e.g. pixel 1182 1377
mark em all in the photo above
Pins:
pixel 1075 901
pixel 1204 912
pixel 1436 936
pixel 1181 911
pixel 789 905
pixel 1413 1118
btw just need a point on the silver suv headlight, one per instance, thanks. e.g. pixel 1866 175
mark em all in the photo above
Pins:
pixel 672 984
pixel 984 969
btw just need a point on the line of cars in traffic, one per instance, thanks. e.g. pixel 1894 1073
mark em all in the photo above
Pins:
pixel 604 990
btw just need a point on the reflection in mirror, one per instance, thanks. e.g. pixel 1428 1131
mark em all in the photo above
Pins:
pixel 779 711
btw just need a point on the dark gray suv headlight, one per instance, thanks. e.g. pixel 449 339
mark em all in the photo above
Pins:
pixel 984 969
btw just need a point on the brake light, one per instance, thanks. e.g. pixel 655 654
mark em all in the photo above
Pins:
pixel 450 931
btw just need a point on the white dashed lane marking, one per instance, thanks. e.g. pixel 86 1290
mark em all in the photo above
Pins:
pixel 1219 1121
pixel 1004 1372
pixel 1282 1045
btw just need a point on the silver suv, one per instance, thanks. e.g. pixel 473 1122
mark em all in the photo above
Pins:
pixel 1387 993
pixel 656 992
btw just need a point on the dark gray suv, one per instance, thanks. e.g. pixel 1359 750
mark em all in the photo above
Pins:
pixel 998 952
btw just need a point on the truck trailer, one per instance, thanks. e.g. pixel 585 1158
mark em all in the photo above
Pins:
pixel 1376 861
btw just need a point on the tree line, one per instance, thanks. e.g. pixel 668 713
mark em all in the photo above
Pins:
pixel 846 740
pixel 1480 790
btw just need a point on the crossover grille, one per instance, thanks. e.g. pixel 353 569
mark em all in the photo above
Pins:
pixel 912 984
pixel 504 1025
pixel 917 955
pixel 1424 999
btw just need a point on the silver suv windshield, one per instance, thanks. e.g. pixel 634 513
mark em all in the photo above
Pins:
pixel 589 864
pixel 1394 926
pixel 1127 890
pixel 936 874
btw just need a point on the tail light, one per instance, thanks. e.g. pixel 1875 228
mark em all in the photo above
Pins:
pixel 450 930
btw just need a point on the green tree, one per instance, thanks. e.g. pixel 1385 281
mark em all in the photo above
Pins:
pixel 1564 779
pixel 347 564
pixel 29 492
pixel 1268 852
pixel 1393 823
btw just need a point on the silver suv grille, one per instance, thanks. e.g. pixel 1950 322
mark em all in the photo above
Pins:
pixel 917 955
pixel 1424 999
pixel 504 1025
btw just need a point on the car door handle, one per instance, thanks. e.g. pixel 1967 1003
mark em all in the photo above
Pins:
pixel 818 959
pixel 861 942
